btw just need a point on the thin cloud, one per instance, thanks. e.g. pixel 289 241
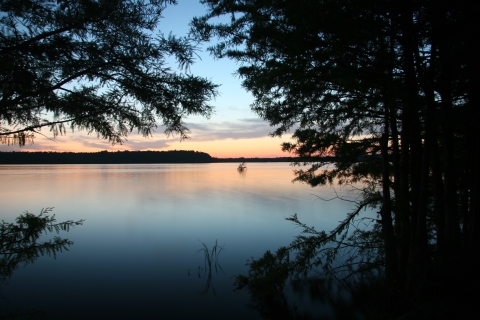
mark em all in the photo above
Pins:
pixel 145 145
pixel 254 120
pixel 244 129
pixel 134 144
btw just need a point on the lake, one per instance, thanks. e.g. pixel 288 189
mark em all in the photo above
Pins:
pixel 136 255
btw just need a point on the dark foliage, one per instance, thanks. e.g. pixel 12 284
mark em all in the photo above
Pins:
pixel 20 245
pixel 19 241
pixel 96 65
pixel 390 89
pixel 172 156
pixel 104 157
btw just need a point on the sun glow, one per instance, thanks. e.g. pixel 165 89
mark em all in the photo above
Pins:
pixel 264 147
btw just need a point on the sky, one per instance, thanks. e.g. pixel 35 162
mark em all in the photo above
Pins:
pixel 233 130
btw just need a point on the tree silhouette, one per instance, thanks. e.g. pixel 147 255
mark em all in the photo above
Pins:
pixel 388 89
pixel 19 241
pixel 94 65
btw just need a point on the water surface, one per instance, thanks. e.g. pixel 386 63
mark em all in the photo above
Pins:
pixel 135 256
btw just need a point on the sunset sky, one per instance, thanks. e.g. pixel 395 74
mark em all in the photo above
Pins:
pixel 233 131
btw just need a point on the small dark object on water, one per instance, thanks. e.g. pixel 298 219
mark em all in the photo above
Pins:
pixel 242 166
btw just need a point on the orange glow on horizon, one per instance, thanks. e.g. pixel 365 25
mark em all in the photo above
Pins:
pixel 266 147
pixel 229 148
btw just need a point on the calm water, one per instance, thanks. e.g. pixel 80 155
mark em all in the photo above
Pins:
pixel 135 256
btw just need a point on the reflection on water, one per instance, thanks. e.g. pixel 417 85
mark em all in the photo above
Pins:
pixel 19 245
pixel 132 256
pixel 211 263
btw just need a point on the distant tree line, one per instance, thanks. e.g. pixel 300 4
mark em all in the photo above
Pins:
pixel 104 157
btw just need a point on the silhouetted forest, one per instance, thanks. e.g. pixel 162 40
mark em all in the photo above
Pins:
pixel 105 157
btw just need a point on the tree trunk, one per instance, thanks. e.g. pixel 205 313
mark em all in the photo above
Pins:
pixel 391 260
